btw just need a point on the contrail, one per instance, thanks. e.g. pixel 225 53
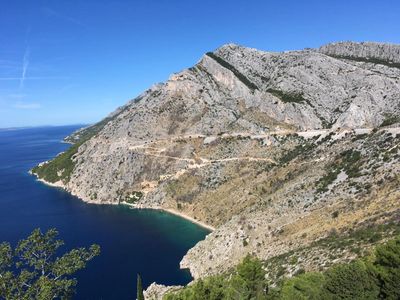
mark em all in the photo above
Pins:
pixel 25 64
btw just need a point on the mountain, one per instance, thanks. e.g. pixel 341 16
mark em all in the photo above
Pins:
pixel 276 151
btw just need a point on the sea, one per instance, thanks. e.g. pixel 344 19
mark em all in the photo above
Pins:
pixel 133 241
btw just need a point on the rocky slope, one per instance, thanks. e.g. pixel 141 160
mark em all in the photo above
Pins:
pixel 275 150
pixel 384 54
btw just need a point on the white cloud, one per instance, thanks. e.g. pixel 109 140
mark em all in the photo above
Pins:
pixel 17 96
pixel 27 105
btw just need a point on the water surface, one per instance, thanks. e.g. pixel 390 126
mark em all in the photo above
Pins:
pixel 148 242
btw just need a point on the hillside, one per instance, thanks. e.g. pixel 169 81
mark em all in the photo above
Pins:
pixel 274 150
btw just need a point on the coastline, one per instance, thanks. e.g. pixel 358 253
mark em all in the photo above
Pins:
pixel 193 220
pixel 56 184
pixel 59 184
pixel 172 212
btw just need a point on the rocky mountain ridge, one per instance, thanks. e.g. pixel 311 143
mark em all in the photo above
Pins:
pixel 266 147
pixel 379 53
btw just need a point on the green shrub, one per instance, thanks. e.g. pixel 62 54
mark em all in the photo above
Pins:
pixel 304 286
pixel 350 281
pixel 348 161
pixel 63 163
pixel 296 151
pixel 390 119
pixel 326 180
pixel 211 288
pixel 60 168
pixel 133 197
pixel 246 282
pixel 387 269
pixel 369 60
pixel 291 97
pixel 251 271
pixel 374 277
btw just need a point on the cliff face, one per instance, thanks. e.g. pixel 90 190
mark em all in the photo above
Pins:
pixel 386 54
pixel 250 142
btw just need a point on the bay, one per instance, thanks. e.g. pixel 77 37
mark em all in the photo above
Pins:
pixel 148 242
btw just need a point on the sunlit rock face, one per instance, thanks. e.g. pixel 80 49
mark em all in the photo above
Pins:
pixel 241 140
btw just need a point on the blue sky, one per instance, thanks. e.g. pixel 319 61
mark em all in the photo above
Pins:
pixel 69 62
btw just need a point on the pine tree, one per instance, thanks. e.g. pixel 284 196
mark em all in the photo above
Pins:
pixel 350 281
pixel 32 270
pixel 139 288
pixel 387 268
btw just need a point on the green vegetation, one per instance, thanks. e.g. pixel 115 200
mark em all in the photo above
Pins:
pixel 327 179
pixel 228 66
pixel 347 161
pixel 246 282
pixel 376 276
pixel 390 119
pixel 364 235
pixel 386 268
pixel 31 270
pixel 288 97
pixel 326 124
pixel 350 281
pixel 369 60
pixel 139 288
pixel 333 246
pixel 60 168
pixel 86 133
pixel 304 286
pixel 132 197
pixel 296 151
pixel 350 161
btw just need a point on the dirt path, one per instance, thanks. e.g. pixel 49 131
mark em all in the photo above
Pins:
pixel 148 148
pixel 194 162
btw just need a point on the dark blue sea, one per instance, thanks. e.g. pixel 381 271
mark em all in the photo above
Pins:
pixel 151 243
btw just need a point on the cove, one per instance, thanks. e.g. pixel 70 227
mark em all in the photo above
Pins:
pixel 148 242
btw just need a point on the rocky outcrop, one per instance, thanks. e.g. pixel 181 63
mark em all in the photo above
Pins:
pixel 157 291
pixel 387 54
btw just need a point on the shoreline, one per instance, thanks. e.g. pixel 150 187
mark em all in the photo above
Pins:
pixel 168 210
pixel 172 212
pixel 186 217
pixel 56 185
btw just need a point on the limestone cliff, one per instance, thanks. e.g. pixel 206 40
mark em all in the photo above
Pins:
pixel 264 146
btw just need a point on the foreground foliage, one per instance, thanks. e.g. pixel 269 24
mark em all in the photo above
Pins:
pixel 247 282
pixel 32 270
pixel 139 288
pixel 374 277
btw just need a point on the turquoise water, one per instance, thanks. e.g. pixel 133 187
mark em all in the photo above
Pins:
pixel 148 242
